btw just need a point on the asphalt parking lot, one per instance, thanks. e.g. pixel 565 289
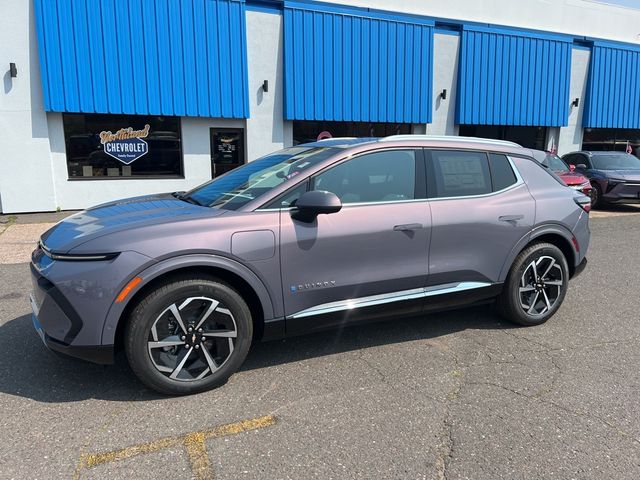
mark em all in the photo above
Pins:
pixel 455 395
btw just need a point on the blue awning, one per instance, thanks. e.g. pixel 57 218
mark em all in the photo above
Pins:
pixel 347 64
pixel 613 91
pixel 513 77
pixel 156 57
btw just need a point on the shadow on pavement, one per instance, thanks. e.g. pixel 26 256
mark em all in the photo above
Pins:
pixel 29 370
pixel 621 208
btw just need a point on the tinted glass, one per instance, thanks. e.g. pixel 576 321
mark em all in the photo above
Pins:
pixel 122 146
pixel 242 185
pixel 615 161
pixel 554 163
pixel 460 174
pixel 374 177
pixel 501 172
pixel 289 198
pixel 576 159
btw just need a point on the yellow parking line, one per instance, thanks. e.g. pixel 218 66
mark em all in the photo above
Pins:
pixel 192 442
pixel 198 458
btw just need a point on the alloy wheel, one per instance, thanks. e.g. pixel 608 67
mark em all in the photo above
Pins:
pixel 192 338
pixel 540 286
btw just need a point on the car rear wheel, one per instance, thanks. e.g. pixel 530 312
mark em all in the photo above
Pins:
pixel 536 285
pixel 596 196
pixel 188 335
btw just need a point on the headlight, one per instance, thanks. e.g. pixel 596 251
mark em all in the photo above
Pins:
pixel 70 257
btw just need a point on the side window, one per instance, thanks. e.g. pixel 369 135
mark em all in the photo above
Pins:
pixel 288 198
pixel 460 173
pixel 501 172
pixel 581 158
pixel 375 177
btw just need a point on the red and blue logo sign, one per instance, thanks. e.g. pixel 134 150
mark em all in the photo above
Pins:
pixel 126 145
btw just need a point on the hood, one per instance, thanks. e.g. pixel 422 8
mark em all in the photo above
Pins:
pixel 120 215
pixel 628 175
pixel 573 178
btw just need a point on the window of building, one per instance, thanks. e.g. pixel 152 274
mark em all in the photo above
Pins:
pixel 502 174
pixel 528 137
pixel 375 177
pixel 310 131
pixel 460 174
pixel 612 139
pixel 122 146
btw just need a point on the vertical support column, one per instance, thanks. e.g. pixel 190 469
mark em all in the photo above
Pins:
pixel 571 135
pixel 266 129
pixel 446 55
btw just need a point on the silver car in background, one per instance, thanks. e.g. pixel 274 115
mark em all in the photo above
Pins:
pixel 312 237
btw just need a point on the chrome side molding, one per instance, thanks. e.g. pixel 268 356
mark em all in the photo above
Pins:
pixel 384 298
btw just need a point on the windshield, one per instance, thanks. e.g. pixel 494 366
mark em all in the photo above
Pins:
pixel 238 187
pixel 615 161
pixel 555 164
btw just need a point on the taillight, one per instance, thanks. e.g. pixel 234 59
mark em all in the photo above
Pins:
pixel 583 202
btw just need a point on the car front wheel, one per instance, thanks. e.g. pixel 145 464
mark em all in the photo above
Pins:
pixel 188 335
pixel 536 285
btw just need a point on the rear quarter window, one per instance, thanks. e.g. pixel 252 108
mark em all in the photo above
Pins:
pixel 502 174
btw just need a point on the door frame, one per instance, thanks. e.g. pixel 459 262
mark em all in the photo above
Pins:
pixel 243 146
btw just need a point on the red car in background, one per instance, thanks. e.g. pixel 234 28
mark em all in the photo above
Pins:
pixel 571 178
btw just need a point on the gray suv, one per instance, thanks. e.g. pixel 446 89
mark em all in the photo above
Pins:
pixel 316 236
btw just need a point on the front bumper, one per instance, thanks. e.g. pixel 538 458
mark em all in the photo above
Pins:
pixel 623 192
pixel 102 354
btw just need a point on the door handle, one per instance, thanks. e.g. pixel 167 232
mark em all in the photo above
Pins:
pixel 510 218
pixel 408 227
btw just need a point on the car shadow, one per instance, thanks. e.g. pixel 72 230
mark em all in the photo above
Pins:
pixel 620 207
pixel 31 371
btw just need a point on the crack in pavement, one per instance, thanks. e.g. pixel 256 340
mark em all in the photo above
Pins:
pixel 563 408
pixel 447 445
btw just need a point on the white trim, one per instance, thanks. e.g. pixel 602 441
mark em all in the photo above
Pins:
pixel 449 138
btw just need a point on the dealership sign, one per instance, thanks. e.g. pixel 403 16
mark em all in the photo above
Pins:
pixel 126 145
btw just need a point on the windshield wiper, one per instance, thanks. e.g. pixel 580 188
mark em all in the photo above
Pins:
pixel 186 198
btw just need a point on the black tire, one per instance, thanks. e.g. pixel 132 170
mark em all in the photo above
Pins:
pixel 596 196
pixel 154 309
pixel 511 304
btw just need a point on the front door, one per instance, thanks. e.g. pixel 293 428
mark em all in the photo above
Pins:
pixel 227 150
pixel 370 256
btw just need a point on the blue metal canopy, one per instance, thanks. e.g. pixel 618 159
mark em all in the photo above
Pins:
pixel 156 57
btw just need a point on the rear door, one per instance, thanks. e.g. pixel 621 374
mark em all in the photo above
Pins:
pixel 369 257
pixel 480 209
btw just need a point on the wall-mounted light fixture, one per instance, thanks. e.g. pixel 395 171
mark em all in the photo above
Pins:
pixel 13 70
pixel 575 103
pixel 443 94
pixel 265 86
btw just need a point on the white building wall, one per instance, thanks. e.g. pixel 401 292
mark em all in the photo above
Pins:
pixel 577 17
pixel 25 160
pixel 77 194
pixel 266 131
pixel 446 53
pixel 571 135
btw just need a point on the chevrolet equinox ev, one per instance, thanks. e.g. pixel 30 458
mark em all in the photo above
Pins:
pixel 312 237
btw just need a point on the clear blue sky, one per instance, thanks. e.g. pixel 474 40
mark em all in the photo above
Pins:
pixel 624 3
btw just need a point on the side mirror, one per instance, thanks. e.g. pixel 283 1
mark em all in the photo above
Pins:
pixel 311 204
pixel 581 166
pixel 572 168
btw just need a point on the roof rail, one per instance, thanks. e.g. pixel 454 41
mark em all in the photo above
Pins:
pixel 450 138
pixel 336 138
